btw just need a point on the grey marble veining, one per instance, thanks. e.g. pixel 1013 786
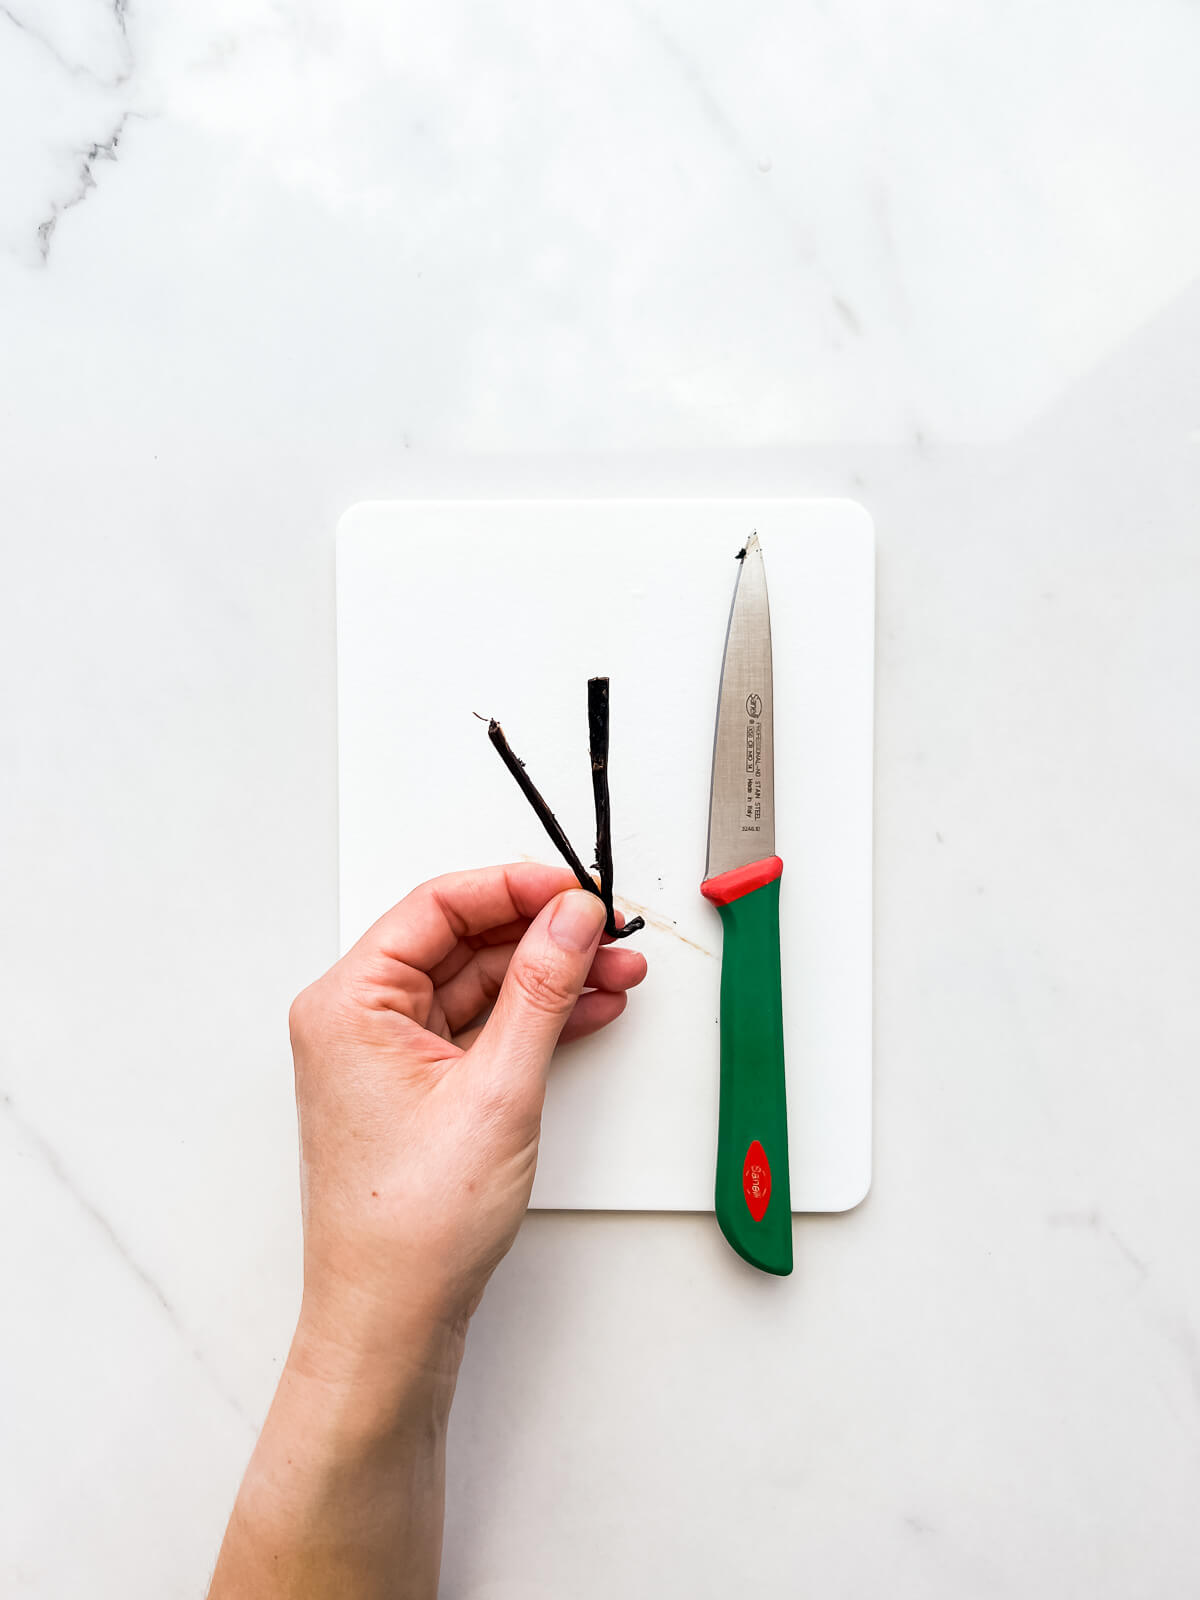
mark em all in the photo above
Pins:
pixel 259 260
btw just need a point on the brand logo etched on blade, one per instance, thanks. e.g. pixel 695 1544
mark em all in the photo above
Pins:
pixel 756 1181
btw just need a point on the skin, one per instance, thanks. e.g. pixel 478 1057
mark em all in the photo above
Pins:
pixel 419 1126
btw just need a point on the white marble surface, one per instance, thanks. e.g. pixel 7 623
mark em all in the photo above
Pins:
pixel 261 259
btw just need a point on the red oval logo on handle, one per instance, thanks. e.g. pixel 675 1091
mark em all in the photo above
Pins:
pixel 756 1181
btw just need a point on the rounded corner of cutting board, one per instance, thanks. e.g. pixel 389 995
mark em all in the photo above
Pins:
pixel 355 519
pixel 860 524
pixel 854 1195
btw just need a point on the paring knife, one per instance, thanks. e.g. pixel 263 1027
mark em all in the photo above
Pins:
pixel 753 1197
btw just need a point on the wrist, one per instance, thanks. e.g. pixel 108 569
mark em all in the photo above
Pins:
pixel 375 1377
pixel 345 1485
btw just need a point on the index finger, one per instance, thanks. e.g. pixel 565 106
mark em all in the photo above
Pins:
pixel 424 927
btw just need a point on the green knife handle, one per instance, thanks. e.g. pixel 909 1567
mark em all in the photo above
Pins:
pixel 753 1198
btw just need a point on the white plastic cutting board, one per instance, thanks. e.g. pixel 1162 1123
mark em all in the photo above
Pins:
pixel 446 609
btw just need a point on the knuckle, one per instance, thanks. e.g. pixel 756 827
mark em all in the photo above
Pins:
pixel 298 1016
pixel 542 986
pixel 381 984
pixel 493 1097
pixel 303 1013
pixel 505 1105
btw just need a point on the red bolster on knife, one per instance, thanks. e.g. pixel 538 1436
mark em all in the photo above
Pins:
pixel 729 886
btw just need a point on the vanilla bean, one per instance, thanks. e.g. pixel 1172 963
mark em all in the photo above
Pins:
pixel 598 746
pixel 598 742
pixel 598 749
pixel 543 812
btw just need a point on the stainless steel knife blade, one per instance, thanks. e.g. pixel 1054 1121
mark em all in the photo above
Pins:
pixel 741 812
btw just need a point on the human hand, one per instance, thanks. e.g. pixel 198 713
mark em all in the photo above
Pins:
pixel 419 1126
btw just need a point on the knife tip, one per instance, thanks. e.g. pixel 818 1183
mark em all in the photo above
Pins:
pixel 751 547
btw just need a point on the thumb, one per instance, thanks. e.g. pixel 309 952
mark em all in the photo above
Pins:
pixel 544 979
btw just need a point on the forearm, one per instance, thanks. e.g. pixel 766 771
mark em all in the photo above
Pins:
pixel 344 1493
